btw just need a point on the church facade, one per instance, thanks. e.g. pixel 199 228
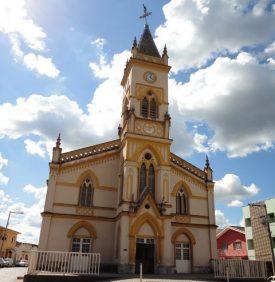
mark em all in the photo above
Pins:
pixel 132 200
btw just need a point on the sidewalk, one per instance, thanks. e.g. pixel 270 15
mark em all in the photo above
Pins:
pixel 130 278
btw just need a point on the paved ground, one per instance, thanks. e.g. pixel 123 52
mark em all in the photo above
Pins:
pixel 159 279
pixel 10 274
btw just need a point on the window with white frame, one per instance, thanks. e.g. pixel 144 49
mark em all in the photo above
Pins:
pixel 81 245
pixel 182 251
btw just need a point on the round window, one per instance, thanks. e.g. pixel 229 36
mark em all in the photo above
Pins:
pixel 148 156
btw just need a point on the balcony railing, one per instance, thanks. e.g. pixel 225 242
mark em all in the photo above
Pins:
pixel 64 263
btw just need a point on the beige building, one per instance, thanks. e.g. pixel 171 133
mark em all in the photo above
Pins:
pixel 132 200
pixel 23 250
pixel 7 242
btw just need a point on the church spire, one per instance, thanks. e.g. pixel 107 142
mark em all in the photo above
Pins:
pixel 146 44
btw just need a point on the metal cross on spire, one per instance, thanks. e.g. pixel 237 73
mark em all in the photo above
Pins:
pixel 145 14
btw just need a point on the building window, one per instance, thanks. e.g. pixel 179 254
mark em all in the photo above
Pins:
pixel 81 245
pixel 153 109
pixel 147 179
pixel 250 244
pixel 237 245
pixel 273 242
pixel 181 202
pixel 224 246
pixel 151 177
pixel 149 107
pixel 144 107
pixel 142 180
pixel 182 251
pixel 86 193
pixel 270 217
pixel 247 222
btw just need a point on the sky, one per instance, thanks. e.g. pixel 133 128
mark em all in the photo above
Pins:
pixel 61 63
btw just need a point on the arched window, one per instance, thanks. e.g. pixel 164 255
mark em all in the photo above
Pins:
pixel 181 202
pixel 151 178
pixel 82 236
pixel 144 107
pixel 86 193
pixel 153 109
pixel 142 181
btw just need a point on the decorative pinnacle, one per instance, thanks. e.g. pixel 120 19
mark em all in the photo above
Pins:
pixel 207 164
pixel 164 50
pixel 134 43
pixel 58 141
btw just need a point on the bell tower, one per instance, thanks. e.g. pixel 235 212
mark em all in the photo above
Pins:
pixel 145 86
pixel 145 120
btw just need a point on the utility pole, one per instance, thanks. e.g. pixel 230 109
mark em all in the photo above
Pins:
pixel 265 222
pixel 6 228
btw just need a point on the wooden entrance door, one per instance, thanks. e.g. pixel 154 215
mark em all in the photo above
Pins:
pixel 145 254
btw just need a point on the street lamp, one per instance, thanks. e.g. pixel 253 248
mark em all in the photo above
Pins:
pixel 265 222
pixel 7 224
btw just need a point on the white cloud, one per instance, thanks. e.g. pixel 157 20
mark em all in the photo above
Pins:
pixel 36 192
pixel 221 220
pixel 3 178
pixel 45 117
pixel 29 223
pixel 235 203
pixel 5 199
pixel 235 97
pixel 3 161
pixel 231 191
pixel 20 29
pixel 99 43
pixel 270 49
pixel 14 19
pixel 42 65
pixel 196 31
pixel 35 148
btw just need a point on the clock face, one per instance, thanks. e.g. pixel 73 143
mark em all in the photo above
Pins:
pixel 149 128
pixel 150 77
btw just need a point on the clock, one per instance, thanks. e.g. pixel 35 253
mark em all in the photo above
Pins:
pixel 149 128
pixel 150 76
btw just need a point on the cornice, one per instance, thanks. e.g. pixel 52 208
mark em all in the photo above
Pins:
pixel 90 151
pixel 187 166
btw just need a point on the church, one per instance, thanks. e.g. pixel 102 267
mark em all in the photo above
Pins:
pixel 131 199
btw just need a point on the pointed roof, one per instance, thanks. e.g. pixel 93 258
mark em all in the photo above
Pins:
pixel 239 229
pixel 146 43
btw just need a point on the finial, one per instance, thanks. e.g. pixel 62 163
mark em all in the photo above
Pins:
pixel 145 14
pixel 164 50
pixel 58 141
pixel 207 164
pixel 134 43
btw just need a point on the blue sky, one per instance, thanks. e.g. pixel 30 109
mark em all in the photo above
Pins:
pixel 61 63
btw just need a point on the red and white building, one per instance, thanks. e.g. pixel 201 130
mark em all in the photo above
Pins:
pixel 231 243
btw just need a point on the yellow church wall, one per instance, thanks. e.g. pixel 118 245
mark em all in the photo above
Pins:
pixel 118 214
pixel 104 172
pixel 103 244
